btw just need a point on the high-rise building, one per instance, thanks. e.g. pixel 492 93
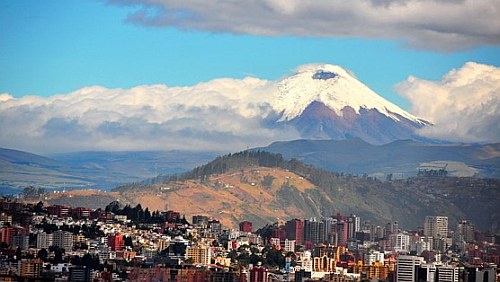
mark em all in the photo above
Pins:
pixel 353 226
pixel 406 268
pixel 289 246
pixel 391 228
pixel 436 226
pixel 465 229
pixel 6 234
pixel 44 240
pixel 200 220
pixel 447 273
pixel 295 230
pixel 21 241
pixel 199 254
pixel 330 230
pixel 30 268
pixel 63 239
pixel 342 233
pixel 314 231
pixel 400 242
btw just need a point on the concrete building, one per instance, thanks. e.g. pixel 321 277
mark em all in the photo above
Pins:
pixel 436 226
pixel 289 245
pixel 63 239
pixel 447 273
pixel 199 254
pixel 400 242
pixel 406 268
pixel 44 240
pixel 295 230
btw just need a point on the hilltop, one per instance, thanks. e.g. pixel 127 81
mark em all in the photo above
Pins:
pixel 261 186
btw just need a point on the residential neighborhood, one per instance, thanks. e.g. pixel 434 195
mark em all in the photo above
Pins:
pixel 124 243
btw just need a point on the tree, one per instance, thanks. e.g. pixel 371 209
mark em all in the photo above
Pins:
pixel 39 207
pixel 43 254
pixel 113 207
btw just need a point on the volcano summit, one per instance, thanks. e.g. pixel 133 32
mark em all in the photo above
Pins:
pixel 327 102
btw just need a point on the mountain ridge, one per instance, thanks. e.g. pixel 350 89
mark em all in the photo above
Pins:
pixel 260 186
pixel 398 157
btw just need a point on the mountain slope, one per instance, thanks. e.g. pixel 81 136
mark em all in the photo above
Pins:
pixel 327 102
pixel 19 169
pixel 260 186
pixel 102 170
pixel 400 158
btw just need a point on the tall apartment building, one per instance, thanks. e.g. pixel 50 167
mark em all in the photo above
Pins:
pixel 30 268
pixel 63 239
pixel 465 229
pixel 290 246
pixel 314 231
pixel 436 226
pixel 406 268
pixel 353 226
pixel 44 240
pixel 199 254
pixel 447 273
pixel 295 230
pixel 341 233
pixel 400 242
pixel 246 226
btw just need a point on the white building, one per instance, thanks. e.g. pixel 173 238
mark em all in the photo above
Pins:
pixel 447 273
pixel 290 246
pixel 400 242
pixel 373 257
pixel 406 268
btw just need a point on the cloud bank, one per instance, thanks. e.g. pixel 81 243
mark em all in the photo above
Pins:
pixel 225 114
pixel 425 24
pixel 222 115
pixel 464 105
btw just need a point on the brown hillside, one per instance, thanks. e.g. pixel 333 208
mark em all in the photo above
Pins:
pixel 231 197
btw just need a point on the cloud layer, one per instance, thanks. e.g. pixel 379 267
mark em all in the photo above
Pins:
pixel 464 105
pixel 427 24
pixel 225 114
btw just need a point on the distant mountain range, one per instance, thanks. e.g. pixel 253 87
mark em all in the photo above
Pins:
pixel 105 170
pixel 400 158
pixel 85 170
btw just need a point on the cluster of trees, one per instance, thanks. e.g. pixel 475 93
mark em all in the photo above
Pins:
pixel 32 192
pixel 139 215
pixel 89 231
pixel 269 256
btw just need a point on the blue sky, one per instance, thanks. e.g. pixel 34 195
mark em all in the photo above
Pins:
pixel 53 47
pixel 149 74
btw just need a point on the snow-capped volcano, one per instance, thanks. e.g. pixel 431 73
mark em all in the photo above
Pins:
pixel 327 102
pixel 334 87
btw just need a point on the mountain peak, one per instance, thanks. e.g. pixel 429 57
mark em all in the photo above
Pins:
pixel 335 87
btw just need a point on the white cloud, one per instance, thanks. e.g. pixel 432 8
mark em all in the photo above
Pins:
pixel 222 114
pixel 225 114
pixel 464 105
pixel 428 24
